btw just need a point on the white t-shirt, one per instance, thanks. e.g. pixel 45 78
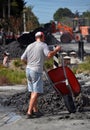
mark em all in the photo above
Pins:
pixel 35 54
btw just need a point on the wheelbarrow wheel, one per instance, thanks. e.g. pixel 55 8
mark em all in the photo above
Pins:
pixel 69 103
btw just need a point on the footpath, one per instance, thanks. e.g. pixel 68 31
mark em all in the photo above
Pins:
pixel 13 87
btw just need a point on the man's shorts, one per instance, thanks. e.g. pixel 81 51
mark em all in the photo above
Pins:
pixel 34 80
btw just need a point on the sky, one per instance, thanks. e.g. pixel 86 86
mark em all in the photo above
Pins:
pixel 45 9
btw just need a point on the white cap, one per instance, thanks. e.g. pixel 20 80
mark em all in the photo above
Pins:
pixel 64 53
pixel 67 57
pixel 73 52
pixel 39 34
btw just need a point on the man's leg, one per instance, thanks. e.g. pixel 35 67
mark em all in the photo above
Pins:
pixel 32 103
pixel 35 107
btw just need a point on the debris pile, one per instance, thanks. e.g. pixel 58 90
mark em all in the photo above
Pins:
pixel 50 102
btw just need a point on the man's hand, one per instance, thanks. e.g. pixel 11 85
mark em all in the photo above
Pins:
pixel 58 48
pixel 52 53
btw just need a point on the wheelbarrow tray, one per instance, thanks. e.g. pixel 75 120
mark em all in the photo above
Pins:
pixel 59 79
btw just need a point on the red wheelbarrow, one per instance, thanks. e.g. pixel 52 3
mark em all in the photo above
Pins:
pixel 65 83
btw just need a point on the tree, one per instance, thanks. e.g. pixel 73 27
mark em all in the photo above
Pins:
pixel 62 12
pixel 86 14
pixel 11 16
pixel 14 7
pixel 31 19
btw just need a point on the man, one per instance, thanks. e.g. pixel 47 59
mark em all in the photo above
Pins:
pixel 34 56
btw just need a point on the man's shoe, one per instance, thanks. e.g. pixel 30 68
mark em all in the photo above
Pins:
pixel 29 116
pixel 37 114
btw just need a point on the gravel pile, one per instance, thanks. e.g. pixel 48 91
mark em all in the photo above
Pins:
pixel 50 103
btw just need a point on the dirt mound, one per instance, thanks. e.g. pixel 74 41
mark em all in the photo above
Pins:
pixel 50 103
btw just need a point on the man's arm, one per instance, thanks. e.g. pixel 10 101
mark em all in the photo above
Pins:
pixel 54 52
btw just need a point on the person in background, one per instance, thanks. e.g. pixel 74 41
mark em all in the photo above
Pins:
pixel 34 56
pixel 74 58
pixel 6 59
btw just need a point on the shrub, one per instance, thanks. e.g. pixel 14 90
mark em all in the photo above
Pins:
pixel 49 64
pixel 83 67
pixel 11 76
pixel 17 63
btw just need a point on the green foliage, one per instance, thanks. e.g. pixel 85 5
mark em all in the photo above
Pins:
pixel 10 76
pixel 18 76
pixel 14 10
pixel 86 65
pixel 86 14
pixel 62 12
pixel 67 21
pixel 49 64
pixel 83 67
pixel 31 19
pixel 14 20
pixel 17 63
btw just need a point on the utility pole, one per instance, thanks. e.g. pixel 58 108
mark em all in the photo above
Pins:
pixel 24 20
